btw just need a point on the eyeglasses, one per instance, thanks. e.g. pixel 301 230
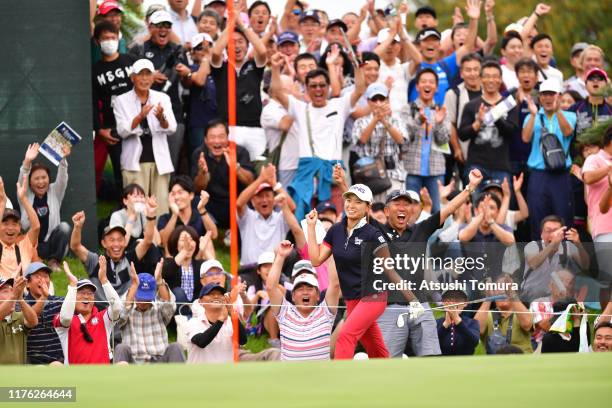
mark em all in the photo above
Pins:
pixel 317 86
pixel 165 24
pixel 214 273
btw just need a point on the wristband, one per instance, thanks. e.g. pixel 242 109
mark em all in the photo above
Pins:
pixel 490 18
pixel 203 213
pixel 469 189
pixel 150 218
pixel 537 15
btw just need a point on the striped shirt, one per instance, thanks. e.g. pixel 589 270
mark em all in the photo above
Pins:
pixel 187 281
pixel 44 345
pixel 305 338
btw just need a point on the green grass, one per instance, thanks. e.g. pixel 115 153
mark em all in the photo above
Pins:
pixel 570 380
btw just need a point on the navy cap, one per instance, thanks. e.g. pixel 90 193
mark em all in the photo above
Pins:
pixel 426 10
pixel 210 287
pixel 288 36
pixel 410 195
pixel 428 32
pixel 310 14
pixel 326 206
pixel 491 183
pixel 8 281
pixel 337 23
pixel 10 213
pixel 86 282
pixel 35 267
pixel 147 288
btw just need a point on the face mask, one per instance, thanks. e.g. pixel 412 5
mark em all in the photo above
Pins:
pixel 139 207
pixel 109 47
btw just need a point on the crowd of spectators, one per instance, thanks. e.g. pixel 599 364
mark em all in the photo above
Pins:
pixel 376 127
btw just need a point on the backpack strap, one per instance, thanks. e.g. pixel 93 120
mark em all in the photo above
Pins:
pixel 509 330
pixel 17 253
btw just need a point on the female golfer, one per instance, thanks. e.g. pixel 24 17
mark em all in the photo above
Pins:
pixel 344 241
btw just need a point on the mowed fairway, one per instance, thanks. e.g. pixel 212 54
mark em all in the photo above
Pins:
pixel 569 380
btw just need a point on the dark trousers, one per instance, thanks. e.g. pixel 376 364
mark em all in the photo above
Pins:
pixel 56 246
pixel 549 194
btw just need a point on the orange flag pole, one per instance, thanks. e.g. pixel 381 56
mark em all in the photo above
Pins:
pixel 233 186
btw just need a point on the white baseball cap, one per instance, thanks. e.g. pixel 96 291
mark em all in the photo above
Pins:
pixel 513 27
pixel 208 265
pixel 362 192
pixel 384 34
pixel 198 38
pixel 265 258
pixel 141 64
pixel 550 85
pixel 306 278
pixel 160 16
pixel 303 266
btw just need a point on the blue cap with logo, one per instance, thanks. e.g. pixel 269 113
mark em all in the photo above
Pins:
pixel 147 288
pixel 288 36
pixel 310 14
pixel 326 206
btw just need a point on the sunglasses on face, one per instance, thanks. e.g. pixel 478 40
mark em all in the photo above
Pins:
pixel 198 48
pixel 163 25
pixel 317 86
pixel 378 98
pixel 596 78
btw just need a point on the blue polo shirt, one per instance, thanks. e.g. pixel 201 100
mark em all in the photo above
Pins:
pixel 446 69
pixel 347 251
pixel 536 159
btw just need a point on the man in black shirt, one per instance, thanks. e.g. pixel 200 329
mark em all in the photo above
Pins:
pixel 210 170
pixel 422 332
pixel 249 74
pixel 488 151
pixel 170 63
pixel 110 77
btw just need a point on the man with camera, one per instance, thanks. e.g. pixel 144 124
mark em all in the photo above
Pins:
pixel 170 64
pixel 550 189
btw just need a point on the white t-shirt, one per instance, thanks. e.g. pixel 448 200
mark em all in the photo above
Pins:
pixel 326 123
pixel 398 97
pixel 509 77
pixel 551 73
pixel 271 115
pixel 260 234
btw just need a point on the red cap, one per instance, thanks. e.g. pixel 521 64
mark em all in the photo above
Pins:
pixel 599 71
pixel 262 187
pixel 107 6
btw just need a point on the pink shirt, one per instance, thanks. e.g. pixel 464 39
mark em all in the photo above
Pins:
pixel 600 223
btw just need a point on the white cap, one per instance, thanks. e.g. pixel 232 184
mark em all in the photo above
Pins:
pixel 160 16
pixel 362 192
pixel 141 64
pixel 306 278
pixel 513 27
pixel 384 34
pixel 208 265
pixel 265 258
pixel 199 37
pixel 303 266
pixel 550 85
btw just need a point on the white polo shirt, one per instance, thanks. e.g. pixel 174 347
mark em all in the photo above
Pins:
pixel 260 234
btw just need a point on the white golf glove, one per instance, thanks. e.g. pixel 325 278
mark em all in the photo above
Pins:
pixel 416 310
